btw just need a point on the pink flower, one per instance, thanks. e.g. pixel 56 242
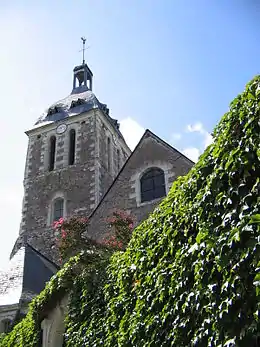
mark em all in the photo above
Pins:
pixel 111 220
pixel 55 224
pixel 84 220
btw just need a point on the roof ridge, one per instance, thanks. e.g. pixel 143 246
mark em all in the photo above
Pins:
pixel 147 131
pixel 168 145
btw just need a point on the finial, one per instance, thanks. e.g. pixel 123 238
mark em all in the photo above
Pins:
pixel 83 49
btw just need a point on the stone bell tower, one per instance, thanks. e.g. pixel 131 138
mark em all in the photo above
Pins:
pixel 75 150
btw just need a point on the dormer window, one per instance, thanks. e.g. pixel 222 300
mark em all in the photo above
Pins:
pixel 105 109
pixel 53 110
pixel 78 102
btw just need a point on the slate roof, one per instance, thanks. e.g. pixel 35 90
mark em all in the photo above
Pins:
pixel 80 100
pixel 11 279
pixel 25 276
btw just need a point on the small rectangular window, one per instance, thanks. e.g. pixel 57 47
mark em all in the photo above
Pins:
pixel 58 209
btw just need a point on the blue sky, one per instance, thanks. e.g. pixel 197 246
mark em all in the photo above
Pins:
pixel 170 66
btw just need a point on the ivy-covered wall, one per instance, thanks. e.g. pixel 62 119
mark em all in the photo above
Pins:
pixel 191 273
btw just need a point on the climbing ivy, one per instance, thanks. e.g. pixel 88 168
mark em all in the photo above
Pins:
pixel 191 273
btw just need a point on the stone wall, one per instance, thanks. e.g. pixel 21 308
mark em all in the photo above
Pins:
pixel 107 173
pixel 124 194
pixel 81 185
pixel 7 314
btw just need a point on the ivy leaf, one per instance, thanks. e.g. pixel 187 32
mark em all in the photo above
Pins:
pixel 255 219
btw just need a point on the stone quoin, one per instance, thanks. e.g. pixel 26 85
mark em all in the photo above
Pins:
pixel 78 163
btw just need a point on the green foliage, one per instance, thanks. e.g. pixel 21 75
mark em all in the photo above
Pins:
pixel 2 335
pixel 191 273
pixel 27 332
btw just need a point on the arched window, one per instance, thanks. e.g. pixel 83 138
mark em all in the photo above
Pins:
pixel 72 143
pixel 109 154
pixel 152 184
pixel 52 153
pixel 53 326
pixel 58 209
pixel 5 325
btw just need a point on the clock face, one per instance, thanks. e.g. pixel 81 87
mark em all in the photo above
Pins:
pixel 61 128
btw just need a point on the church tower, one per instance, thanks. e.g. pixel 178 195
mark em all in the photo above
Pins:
pixel 75 150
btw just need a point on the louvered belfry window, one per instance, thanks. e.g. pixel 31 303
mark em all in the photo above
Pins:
pixel 52 153
pixel 152 185
pixel 72 143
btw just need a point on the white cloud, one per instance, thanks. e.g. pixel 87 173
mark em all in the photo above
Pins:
pixel 132 131
pixel 199 128
pixel 208 139
pixel 192 153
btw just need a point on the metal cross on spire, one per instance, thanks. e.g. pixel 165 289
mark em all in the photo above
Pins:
pixel 84 48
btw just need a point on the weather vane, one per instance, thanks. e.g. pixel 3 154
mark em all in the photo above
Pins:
pixel 84 48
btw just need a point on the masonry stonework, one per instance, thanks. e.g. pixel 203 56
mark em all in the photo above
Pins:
pixel 81 185
pixel 102 177
pixel 124 194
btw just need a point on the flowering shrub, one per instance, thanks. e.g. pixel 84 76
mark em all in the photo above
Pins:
pixel 69 239
pixel 121 227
